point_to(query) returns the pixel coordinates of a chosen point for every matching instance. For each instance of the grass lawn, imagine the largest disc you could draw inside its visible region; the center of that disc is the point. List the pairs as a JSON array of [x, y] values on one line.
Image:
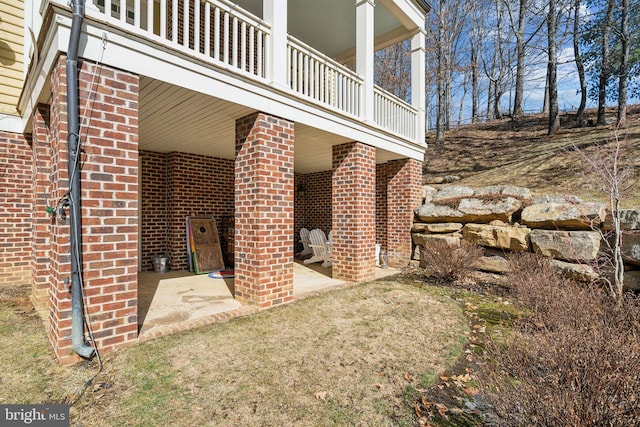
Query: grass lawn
[[348, 357]]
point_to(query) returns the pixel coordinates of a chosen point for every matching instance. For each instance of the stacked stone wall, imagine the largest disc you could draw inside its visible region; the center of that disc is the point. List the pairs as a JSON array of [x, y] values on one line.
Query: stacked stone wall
[[504, 219]]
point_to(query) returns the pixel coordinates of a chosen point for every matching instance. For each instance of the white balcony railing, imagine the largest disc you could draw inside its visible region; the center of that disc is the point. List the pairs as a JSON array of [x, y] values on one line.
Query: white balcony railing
[[215, 30], [314, 75], [393, 114], [221, 33]]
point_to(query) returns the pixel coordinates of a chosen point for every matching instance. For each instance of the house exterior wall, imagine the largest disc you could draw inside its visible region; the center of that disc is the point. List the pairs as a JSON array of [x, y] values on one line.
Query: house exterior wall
[[154, 221], [109, 207], [198, 186], [354, 217], [381, 204], [313, 205], [174, 185], [264, 203], [11, 54], [15, 215], [41, 219]]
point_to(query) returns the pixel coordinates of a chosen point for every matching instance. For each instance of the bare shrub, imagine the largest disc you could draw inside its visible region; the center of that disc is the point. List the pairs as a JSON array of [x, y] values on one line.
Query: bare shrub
[[575, 360], [447, 262]]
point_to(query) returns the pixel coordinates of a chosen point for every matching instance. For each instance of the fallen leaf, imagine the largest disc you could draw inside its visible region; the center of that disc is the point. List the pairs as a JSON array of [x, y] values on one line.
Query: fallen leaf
[[462, 378], [407, 376], [416, 407], [322, 395], [471, 391], [442, 410], [378, 385], [443, 378]]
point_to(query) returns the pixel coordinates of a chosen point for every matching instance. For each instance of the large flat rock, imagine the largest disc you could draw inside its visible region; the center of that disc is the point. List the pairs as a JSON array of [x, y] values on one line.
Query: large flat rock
[[631, 248], [629, 220], [566, 216], [498, 236], [566, 245], [485, 211]]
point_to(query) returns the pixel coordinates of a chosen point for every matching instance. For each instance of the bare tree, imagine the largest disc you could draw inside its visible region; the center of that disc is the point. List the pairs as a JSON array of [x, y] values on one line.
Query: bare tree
[[613, 176], [605, 60], [392, 69], [578, 60], [552, 67], [519, 32], [624, 62], [444, 31]]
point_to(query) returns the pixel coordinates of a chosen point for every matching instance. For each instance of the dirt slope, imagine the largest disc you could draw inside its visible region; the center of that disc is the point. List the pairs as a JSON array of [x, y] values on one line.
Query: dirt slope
[[521, 153]]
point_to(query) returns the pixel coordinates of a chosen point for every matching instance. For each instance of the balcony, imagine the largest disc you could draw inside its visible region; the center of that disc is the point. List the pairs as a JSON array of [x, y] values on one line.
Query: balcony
[[221, 34]]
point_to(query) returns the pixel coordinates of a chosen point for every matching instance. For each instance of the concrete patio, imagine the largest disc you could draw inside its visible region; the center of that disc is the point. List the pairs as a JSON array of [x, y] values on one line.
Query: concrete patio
[[180, 300]]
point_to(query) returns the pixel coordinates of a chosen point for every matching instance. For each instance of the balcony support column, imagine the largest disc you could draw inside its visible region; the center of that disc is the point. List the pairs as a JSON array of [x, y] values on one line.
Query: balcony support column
[[418, 66], [365, 55], [275, 13]]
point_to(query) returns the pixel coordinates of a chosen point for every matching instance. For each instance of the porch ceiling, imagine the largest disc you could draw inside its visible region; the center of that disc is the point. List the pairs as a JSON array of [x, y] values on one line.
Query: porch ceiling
[[172, 118], [331, 28]]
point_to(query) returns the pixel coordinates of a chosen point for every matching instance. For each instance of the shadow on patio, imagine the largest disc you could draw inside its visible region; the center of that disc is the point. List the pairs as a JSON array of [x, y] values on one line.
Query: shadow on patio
[[180, 300]]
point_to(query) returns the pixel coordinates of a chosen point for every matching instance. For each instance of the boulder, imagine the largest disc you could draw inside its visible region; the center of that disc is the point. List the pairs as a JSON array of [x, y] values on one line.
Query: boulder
[[583, 216], [580, 272], [521, 193], [431, 213], [557, 198], [453, 239], [485, 211], [441, 227], [629, 220], [493, 263], [566, 245], [632, 280], [452, 192], [631, 248], [428, 192], [498, 236]]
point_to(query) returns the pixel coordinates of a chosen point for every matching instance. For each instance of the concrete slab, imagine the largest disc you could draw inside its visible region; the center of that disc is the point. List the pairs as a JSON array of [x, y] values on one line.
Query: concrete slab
[[180, 296], [180, 300]]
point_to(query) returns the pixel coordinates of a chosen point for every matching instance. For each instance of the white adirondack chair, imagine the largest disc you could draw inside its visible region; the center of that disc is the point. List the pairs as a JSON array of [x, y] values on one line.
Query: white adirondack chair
[[304, 239], [320, 247]]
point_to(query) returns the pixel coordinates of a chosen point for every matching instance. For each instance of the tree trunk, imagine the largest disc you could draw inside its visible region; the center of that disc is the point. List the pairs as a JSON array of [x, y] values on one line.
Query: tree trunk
[[520, 48], [552, 29], [475, 72], [605, 67], [624, 63], [578, 59]]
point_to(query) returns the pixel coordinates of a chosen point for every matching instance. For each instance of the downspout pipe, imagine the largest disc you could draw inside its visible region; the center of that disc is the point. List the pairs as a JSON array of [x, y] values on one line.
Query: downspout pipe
[[80, 345]]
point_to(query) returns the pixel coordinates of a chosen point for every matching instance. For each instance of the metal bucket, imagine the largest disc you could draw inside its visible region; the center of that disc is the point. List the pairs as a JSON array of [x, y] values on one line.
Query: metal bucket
[[160, 264]]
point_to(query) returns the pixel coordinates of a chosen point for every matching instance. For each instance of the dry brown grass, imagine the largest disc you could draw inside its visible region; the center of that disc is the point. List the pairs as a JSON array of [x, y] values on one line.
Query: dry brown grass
[[520, 153], [348, 357], [574, 360]]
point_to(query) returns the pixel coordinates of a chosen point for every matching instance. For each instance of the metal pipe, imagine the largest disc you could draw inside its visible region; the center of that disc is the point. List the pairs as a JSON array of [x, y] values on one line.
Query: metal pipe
[[80, 345]]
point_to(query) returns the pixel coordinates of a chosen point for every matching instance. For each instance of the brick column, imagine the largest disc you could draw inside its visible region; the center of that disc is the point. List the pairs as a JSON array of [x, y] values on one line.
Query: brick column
[[41, 230], [109, 207], [353, 211], [264, 205], [404, 178]]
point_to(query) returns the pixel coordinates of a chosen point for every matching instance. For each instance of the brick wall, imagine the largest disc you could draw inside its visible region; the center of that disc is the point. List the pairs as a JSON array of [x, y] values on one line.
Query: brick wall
[[154, 223], [174, 185], [404, 179], [15, 216], [264, 202], [354, 218], [200, 186], [381, 204], [41, 174], [109, 207], [313, 205]]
